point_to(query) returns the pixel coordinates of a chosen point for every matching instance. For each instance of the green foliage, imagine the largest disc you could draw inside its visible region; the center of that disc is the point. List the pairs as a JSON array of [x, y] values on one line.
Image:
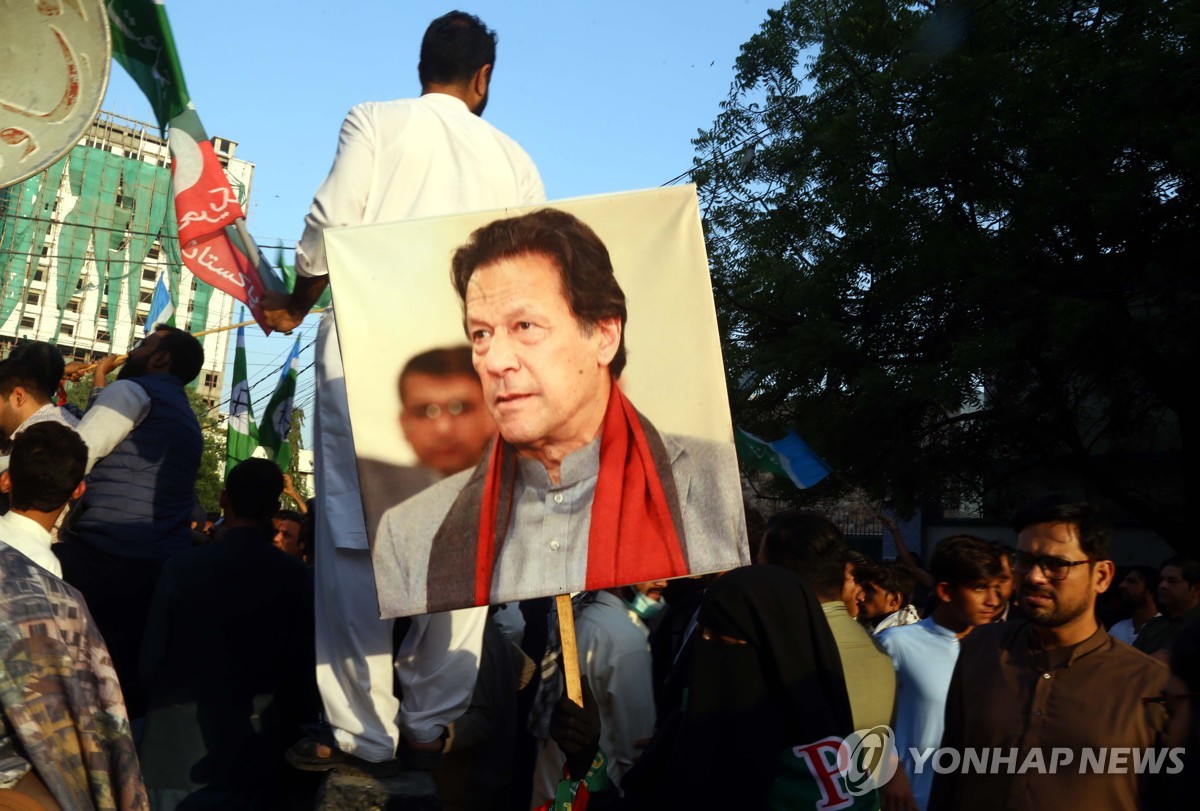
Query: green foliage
[[953, 246], [210, 479], [299, 481]]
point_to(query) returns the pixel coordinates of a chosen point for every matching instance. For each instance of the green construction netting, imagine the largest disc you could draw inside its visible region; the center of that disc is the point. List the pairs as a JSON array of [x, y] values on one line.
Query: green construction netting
[[121, 206], [27, 209]]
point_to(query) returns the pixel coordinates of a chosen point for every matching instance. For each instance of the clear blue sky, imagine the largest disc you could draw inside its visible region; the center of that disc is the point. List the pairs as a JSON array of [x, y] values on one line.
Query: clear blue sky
[[605, 96]]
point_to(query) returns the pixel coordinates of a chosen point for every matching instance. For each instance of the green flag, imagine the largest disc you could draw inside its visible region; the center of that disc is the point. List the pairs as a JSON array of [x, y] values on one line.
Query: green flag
[[289, 282], [243, 435], [277, 421], [143, 44]]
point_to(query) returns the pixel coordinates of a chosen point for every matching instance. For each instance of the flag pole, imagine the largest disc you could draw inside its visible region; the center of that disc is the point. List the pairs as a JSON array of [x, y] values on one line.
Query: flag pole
[[251, 322], [122, 358]]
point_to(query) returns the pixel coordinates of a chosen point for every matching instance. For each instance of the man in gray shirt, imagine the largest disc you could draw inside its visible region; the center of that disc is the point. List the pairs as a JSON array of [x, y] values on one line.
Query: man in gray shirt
[[580, 491]]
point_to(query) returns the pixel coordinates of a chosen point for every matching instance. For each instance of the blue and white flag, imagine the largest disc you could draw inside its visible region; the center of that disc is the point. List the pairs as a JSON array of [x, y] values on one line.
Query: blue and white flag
[[789, 457], [162, 309]]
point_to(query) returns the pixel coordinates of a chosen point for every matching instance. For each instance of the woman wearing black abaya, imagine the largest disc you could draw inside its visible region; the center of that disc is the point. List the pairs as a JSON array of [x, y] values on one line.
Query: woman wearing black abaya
[[766, 706]]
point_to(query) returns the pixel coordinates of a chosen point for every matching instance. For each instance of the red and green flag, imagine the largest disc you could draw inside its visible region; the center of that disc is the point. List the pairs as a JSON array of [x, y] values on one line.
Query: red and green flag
[[213, 239]]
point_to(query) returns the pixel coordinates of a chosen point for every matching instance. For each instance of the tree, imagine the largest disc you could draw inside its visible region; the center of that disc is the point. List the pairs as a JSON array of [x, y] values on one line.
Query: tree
[[953, 246], [209, 479], [294, 439]]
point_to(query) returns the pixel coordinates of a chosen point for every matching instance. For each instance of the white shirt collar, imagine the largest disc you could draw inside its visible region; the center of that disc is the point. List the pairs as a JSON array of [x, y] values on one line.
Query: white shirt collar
[[30, 539]]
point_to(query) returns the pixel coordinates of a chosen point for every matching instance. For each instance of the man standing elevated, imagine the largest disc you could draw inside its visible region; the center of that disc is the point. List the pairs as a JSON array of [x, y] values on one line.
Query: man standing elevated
[[144, 447], [396, 160]]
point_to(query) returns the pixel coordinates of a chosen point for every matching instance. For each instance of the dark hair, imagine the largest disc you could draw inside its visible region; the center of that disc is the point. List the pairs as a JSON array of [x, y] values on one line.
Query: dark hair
[[1189, 568], [45, 364], [289, 515], [961, 560], [448, 361], [1095, 534], [454, 47], [584, 267], [253, 488], [1148, 574], [187, 354], [811, 546], [14, 373], [47, 463], [890, 577]]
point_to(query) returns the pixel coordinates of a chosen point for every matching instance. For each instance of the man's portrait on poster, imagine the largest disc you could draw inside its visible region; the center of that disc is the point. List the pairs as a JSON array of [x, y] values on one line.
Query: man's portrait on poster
[[575, 489]]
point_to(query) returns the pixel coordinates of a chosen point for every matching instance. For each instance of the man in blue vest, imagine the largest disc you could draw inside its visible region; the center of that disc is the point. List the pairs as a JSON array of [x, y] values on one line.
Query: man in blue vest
[[144, 448]]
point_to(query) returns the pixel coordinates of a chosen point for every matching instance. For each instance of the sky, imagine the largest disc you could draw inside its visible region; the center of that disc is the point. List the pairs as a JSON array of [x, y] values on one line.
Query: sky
[[605, 97]]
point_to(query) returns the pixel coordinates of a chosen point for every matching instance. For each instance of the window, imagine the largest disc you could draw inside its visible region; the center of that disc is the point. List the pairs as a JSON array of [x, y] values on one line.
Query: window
[[210, 379], [28, 322], [45, 250], [67, 329], [34, 298], [145, 297], [194, 281], [103, 311], [149, 274], [154, 253], [39, 275], [102, 335], [73, 305], [140, 320]]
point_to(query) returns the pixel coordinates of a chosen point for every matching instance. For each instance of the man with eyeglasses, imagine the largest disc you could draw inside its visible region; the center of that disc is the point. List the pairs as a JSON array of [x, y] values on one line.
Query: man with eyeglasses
[[1053, 690], [444, 421]]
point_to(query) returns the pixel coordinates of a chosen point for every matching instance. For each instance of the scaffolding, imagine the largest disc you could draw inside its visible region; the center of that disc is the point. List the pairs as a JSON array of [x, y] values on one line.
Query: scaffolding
[[83, 243]]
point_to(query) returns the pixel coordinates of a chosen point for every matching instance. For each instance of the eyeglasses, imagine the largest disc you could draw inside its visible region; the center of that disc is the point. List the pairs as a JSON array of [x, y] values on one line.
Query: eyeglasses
[[1053, 568], [432, 411]]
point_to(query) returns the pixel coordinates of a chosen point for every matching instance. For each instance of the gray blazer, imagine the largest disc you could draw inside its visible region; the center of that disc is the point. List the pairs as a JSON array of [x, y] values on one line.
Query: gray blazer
[[710, 499]]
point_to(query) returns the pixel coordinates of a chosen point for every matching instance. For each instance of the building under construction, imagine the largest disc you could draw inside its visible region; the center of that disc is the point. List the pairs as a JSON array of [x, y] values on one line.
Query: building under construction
[[84, 242]]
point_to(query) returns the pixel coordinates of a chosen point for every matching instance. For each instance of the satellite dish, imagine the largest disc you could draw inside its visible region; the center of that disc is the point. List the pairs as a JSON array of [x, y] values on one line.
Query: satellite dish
[[55, 57]]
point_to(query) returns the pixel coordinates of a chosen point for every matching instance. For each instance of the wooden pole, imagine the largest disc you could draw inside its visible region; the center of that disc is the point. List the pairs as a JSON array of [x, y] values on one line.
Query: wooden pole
[[570, 651], [122, 358]]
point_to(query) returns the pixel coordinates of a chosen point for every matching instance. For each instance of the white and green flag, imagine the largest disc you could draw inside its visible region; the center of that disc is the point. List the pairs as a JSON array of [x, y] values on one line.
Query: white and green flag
[[243, 435], [277, 422]]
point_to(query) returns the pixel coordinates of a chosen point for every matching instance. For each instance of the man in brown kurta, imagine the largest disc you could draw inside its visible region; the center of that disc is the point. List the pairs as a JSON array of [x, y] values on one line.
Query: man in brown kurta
[[1055, 694]]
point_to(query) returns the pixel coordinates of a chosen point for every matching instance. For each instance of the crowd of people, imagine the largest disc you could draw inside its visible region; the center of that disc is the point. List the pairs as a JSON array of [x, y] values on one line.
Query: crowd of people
[[155, 659], [158, 657]]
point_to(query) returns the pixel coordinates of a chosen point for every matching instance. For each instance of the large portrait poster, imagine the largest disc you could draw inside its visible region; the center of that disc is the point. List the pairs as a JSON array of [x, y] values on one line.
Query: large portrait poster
[[498, 459]]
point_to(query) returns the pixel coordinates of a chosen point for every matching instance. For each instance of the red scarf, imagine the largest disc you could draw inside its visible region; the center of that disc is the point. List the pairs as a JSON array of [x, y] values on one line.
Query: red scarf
[[632, 537]]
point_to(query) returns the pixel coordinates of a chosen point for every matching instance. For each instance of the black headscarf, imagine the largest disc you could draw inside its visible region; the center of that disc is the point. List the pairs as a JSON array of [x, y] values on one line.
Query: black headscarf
[[747, 703]]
